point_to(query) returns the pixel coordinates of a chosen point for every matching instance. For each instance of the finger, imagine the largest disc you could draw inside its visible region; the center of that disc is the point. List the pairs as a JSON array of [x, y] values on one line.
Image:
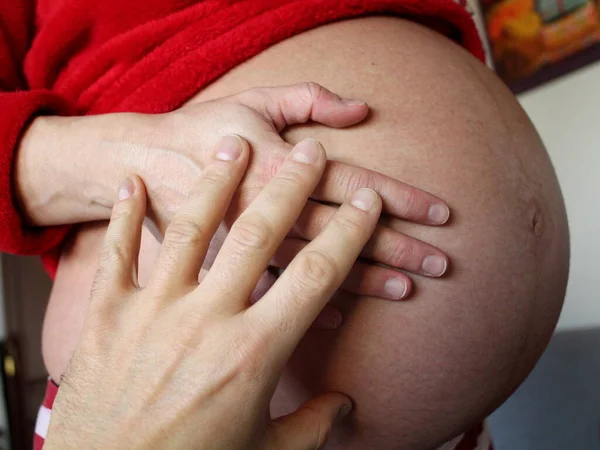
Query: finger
[[399, 199], [299, 103], [316, 273], [309, 426], [255, 235], [340, 180], [329, 319], [188, 236], [363, 279], [386, 246], [118, 260]]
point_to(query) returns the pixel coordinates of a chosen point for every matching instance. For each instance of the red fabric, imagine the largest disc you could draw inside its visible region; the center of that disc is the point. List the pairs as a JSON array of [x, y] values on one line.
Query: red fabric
[[100, 56], [17, 106], [38, 442], [49, 397], [16, 109]]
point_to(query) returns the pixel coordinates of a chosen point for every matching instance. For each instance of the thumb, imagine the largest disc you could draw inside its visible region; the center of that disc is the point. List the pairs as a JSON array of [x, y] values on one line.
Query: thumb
[[308, 427], [299, 103]]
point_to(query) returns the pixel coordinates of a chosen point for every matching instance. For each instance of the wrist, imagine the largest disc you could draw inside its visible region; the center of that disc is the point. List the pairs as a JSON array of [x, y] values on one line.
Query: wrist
[[67, 169], [50, 171]]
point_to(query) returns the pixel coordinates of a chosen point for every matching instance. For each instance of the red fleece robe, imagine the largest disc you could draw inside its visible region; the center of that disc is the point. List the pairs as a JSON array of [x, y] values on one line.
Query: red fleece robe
[[67, 57]]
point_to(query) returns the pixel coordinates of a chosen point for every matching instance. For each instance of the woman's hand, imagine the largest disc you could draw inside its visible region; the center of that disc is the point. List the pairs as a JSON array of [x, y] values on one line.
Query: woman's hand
[[259, 115], [72, 178], [185, 365]]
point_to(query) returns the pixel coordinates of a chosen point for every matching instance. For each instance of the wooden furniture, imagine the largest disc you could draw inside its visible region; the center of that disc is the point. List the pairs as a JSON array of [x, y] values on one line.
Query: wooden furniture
[[26, 288]]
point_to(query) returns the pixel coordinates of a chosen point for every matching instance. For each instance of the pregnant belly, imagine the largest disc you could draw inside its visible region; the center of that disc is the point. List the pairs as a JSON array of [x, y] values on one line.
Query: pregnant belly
[[443, 123]]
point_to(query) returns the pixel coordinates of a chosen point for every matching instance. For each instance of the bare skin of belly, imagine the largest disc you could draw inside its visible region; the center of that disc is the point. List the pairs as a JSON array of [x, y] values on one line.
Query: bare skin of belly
[[422, 371]]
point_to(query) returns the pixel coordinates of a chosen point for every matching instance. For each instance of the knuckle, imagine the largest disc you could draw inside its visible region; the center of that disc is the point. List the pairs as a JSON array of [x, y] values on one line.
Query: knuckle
[[122, 210], [114, 252], [401, 252], [288, 180], [216, 175], [348, 226], [251, 232], [357, 179], [411, 201], [185, 232], [315, 270], [315, 90]]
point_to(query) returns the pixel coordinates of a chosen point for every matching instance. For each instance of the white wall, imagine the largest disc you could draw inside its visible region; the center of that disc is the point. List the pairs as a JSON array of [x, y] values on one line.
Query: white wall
[[566, 113]]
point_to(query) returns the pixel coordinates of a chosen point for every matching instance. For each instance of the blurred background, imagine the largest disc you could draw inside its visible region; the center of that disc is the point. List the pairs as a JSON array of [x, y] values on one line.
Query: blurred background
[[548, 52], [533, 41]]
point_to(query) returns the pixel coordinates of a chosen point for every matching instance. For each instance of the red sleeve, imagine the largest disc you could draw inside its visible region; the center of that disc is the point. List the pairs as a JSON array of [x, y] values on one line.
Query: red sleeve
[[18, 106]]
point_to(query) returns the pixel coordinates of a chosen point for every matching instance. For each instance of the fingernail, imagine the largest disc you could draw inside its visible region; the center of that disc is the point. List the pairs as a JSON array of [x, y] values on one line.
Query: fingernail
[[306, 151], [126, 189], [395, 288], [344, 411], [229, 148], [364, 199], [353, 102], [439, 213], [434, 266], [329, 319]]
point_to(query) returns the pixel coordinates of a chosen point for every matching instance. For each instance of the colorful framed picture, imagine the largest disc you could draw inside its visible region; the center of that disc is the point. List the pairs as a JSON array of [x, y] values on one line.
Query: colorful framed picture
[[533, 41]]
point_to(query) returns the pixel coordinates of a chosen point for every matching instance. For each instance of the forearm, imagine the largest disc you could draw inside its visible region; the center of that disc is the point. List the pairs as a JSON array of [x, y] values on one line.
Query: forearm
[[66, 169]]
